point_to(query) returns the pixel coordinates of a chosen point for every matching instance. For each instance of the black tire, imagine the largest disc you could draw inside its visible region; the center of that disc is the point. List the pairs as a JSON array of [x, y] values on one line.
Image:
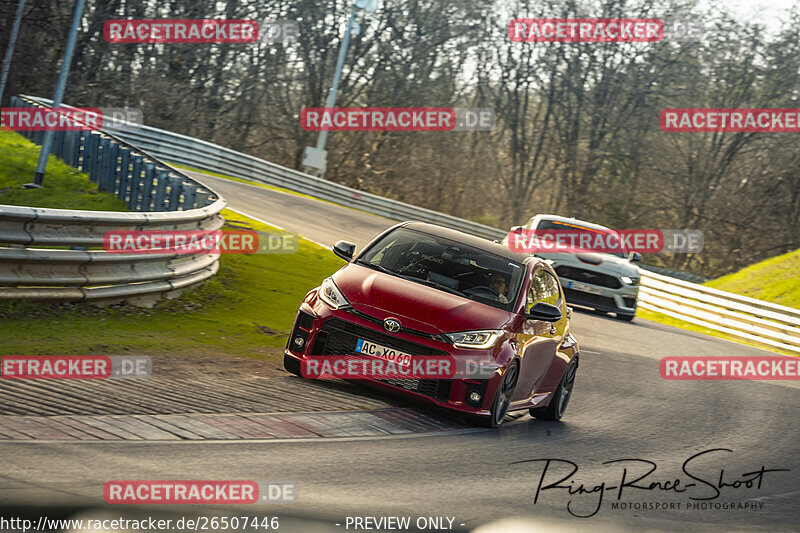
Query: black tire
[[292, 365], [626, 318], [561, 396], [502, 399]]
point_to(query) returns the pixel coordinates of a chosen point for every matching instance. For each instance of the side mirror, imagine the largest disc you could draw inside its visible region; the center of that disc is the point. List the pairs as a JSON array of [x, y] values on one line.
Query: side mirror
[[634, 257], [345, 250], [544, 311]]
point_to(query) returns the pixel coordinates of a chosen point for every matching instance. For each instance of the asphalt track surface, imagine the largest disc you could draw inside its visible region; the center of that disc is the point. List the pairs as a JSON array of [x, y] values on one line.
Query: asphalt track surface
[[621, 409]]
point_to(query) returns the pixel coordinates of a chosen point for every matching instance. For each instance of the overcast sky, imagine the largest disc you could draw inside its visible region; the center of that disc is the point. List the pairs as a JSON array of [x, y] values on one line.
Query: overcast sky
[[767, 12]]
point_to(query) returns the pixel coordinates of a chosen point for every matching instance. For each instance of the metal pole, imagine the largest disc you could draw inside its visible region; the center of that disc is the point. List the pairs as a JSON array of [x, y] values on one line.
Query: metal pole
[[10, 50], [323, 135], [47, 144]]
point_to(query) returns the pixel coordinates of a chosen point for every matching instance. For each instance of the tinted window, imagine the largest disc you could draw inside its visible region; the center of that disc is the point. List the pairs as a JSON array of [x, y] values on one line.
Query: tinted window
[[447, 265]]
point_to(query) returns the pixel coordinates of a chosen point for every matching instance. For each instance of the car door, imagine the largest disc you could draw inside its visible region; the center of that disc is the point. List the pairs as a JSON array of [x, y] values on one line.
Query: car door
[[539, 340]]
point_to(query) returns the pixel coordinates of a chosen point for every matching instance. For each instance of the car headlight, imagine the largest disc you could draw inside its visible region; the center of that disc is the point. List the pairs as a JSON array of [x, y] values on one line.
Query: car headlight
[[331, 294], [629, 281], [475, 339]]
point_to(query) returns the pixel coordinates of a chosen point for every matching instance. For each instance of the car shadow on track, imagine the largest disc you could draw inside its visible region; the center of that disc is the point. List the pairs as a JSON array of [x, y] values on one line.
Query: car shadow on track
[[373, 395]]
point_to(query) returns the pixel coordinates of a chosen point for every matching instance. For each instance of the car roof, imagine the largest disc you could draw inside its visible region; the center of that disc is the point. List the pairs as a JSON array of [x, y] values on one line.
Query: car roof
[[570, 220], [471, 240]]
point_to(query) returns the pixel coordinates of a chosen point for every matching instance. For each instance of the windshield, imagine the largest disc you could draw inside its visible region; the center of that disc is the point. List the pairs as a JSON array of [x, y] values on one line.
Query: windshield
[[448, 266], [577, 228]]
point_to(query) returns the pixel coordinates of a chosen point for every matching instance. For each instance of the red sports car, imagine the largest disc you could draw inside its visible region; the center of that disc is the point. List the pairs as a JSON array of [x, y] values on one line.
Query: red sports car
[[419, 290]]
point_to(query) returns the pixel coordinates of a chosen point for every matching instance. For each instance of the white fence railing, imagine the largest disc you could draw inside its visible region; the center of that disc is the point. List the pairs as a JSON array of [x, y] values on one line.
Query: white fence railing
[[756, 321]]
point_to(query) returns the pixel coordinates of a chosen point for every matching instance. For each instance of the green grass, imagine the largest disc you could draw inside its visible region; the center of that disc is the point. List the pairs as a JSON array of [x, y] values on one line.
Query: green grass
[[247, 309], [774, 280], [64, 186]]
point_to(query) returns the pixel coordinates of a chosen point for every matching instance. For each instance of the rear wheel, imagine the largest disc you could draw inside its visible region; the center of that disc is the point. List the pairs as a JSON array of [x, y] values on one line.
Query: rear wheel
[[502, 399], [561, 396]]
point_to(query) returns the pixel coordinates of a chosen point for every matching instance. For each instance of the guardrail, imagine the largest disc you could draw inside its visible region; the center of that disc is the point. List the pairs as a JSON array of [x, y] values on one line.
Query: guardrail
[[758, 322], [166, 199], [184, 150]]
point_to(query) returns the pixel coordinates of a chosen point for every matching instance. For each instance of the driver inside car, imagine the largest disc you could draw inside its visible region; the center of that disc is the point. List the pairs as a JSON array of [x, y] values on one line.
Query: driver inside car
[[499, 284]]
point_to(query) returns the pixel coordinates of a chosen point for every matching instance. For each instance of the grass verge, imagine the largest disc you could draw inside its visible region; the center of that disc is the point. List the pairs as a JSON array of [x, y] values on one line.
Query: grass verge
[[247, 309], [64, 186], [775, 280]]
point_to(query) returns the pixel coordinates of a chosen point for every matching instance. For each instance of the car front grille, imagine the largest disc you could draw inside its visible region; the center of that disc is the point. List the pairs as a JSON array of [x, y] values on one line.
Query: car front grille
[[434, 388], [588, 276], [588, 299], [339, 337]]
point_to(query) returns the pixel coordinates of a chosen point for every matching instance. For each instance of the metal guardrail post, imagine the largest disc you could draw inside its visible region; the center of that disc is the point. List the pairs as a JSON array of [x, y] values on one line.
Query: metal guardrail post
[[147, 187], [113, 162], [97, 157], [162, 176], [124, 173], [79, 138], [136, 182], [202, 198], [58, 140], [174, 201], [87, 151], [103, 181], [69, 147], [188, 196]]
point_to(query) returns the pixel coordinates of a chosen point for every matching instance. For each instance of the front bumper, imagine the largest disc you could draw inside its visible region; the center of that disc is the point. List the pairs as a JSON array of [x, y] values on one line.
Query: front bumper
[[327, 331], [622, 300]]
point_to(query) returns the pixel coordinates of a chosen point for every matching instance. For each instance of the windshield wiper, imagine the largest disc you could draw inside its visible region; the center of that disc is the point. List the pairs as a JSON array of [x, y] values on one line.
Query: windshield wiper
[[376, 267]]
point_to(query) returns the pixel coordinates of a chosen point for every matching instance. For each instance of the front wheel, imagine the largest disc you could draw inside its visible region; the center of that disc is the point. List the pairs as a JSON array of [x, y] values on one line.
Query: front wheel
[[626, 318], [502, 399], [561, 396]]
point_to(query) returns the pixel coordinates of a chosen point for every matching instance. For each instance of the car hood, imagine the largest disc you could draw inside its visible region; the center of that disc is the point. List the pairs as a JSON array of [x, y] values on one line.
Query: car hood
[[415, 305], [595, 261]]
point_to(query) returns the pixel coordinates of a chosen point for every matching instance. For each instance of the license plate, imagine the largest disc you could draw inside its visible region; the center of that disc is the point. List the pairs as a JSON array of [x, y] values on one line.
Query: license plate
[[583, 287], [383, 352]]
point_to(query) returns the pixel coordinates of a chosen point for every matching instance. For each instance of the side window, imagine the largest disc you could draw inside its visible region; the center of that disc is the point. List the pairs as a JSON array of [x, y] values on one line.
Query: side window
[[543, 288]]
